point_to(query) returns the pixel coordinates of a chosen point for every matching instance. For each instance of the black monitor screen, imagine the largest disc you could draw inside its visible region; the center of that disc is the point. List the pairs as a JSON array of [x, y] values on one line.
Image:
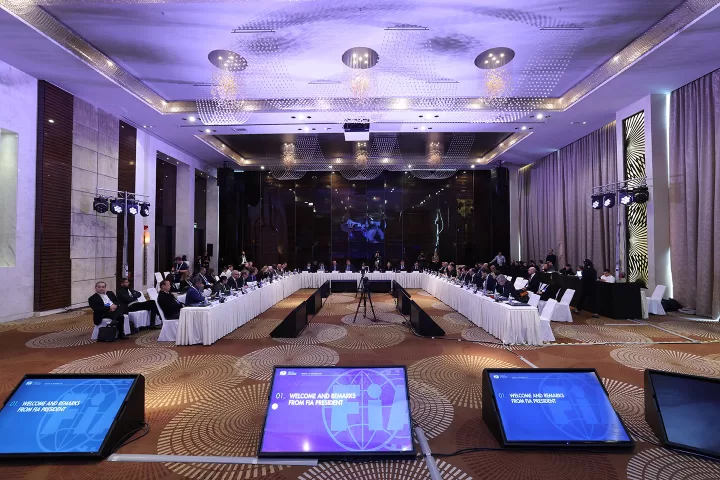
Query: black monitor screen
[[51, 415], [689, 410], [555, 407]]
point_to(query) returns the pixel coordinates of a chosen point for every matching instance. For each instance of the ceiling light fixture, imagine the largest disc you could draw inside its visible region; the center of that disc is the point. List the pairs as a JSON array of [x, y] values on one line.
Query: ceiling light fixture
[[51, 121], [192, 119], [207, 130]]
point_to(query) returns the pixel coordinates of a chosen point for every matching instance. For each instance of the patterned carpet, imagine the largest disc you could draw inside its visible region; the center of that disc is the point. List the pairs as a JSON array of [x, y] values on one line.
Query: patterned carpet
[[211, 400]]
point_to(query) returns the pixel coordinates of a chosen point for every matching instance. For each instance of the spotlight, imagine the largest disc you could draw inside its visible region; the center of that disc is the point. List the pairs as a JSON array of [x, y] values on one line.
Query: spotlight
[[609, 200], [597, 202], [145, 209], [116, 206], [642, 195], [133, 208], [100, 204], [626, 197]]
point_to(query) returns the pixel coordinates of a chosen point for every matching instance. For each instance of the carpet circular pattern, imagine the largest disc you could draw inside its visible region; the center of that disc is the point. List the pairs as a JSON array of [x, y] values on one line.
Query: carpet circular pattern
[[430, 409], [149, 338], [262, 361], [668, 360], [73, 337], [662, 464], [382, 470], [132, 360], [55, 323], [378, 306], [451, 327], [7, 326], [383, 319], [317, 333], [529, 465], [597, 334], [477, 334], [458, 377], [12, 369], [709, 330], [230, 427], [336, 298], [194, 378], [107, 471], [441, 306], [629, 402], [369, 337], [254, 329]]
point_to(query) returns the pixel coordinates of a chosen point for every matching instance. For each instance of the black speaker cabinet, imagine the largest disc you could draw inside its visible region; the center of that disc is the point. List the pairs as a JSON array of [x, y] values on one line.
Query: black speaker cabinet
[[210, 249], [293, 324]]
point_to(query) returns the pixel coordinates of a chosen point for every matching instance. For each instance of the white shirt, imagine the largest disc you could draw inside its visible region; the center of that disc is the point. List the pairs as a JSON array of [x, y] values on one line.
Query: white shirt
[[608, 279], [106, 299], [499, 259]]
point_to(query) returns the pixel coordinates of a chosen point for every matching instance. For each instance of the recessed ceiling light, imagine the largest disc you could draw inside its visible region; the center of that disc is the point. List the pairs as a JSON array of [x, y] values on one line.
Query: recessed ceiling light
[[306, 129], [51, 121], [207, 130], [262, 167], [385, 160], [584, 123], [422, 128], [409, 166], [472, 166], [192, 119], [301, 117], [523, 127], [539, 116]]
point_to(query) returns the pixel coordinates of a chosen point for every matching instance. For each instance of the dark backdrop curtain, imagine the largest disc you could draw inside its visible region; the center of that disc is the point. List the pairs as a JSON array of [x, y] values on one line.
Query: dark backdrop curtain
[[695, 194], [555, 209]]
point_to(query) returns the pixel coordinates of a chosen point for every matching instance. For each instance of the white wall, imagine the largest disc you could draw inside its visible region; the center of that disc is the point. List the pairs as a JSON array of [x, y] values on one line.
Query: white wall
[[18, 113], [147, 148], [656, 168]]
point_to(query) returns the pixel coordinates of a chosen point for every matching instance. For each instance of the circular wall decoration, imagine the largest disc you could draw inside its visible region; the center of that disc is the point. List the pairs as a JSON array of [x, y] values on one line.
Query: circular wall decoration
[[255, 328], [640, 358], [629, 402], [55, 323], [662, 464], [262, 361], [317, 333], [73, 337], [194, 378], [381, 470], [368, 337], [233, 430], [133, 360], [709, 330], [430, 409], [458, 377]]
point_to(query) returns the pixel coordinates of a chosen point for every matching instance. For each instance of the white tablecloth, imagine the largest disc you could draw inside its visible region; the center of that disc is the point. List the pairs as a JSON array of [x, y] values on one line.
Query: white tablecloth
[[509, 324], [206, 325], [406, 280]]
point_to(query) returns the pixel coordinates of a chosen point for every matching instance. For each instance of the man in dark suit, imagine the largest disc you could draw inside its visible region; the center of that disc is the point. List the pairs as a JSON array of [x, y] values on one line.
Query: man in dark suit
[[105, 304], [488, 280], [334, 267], [168, 303], [551, 257], [130, 301], [587, 290], [194, 294], [233, 282], [202, 273], [534, 281], [416, 267], [348, 267], [401, 267], [221, 286], [308, 267], [467, 279], [505, 288], [477, 278]]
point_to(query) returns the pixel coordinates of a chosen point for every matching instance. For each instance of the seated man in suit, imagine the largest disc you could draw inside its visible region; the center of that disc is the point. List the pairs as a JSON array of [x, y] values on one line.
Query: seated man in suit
[[534, 281], [321, 267], [504, 288], [133, 301], [202, 273], [194, 294], [334, 267], [416, 267], [168, 303], [234, 282], [308, 267], [106, 305], [469, 274], [567, 270], [477, 278], [443, 267], [348, 267], [253, 276], [489, 282], [401, 267], [221, 286]]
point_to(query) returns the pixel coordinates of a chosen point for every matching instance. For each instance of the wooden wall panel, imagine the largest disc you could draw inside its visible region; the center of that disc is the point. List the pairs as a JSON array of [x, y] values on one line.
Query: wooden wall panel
[[126, 183], [53, 197]]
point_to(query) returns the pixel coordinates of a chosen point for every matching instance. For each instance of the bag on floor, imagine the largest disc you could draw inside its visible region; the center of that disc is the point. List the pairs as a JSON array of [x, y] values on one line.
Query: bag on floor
[[107, 334], [670, 305]]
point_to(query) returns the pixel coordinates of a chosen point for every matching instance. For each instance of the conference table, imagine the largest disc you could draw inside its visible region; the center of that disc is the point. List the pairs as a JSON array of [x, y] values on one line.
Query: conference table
[[404, 279], [511, 324], [206, 325]]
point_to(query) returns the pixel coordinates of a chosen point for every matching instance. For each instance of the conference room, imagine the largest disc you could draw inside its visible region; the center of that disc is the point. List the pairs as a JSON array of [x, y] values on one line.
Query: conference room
[[335, 239]]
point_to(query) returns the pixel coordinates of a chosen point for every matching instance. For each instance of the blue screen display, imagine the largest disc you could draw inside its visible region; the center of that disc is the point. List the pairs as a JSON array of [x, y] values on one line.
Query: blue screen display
[[338, 410], [689, 410], [61, 415], [555, 407]]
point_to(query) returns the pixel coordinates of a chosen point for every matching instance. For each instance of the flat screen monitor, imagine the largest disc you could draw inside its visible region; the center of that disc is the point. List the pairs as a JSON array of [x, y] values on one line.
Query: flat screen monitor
[[552, 407], [688, 409], [67, 415], [337, 412]]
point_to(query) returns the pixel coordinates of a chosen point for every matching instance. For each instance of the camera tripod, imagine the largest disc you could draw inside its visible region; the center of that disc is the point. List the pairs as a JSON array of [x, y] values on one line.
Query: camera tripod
[[364, 297]]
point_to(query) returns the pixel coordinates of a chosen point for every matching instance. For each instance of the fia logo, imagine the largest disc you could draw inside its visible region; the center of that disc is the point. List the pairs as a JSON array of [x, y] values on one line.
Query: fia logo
[[283, 372]]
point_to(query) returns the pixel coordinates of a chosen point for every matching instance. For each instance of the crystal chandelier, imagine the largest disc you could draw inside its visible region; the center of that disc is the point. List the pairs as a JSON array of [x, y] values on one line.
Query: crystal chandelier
[[288, 154], [361, 155], [435, 155]]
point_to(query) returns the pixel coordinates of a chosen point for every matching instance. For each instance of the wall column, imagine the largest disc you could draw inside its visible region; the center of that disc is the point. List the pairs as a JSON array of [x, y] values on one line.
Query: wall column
[[212, 220], [185, 213], [515, 215]]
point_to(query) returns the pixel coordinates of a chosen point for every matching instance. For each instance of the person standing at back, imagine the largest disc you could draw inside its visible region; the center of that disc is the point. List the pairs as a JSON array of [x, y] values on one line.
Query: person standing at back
[[587, 289], [551, 257]]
